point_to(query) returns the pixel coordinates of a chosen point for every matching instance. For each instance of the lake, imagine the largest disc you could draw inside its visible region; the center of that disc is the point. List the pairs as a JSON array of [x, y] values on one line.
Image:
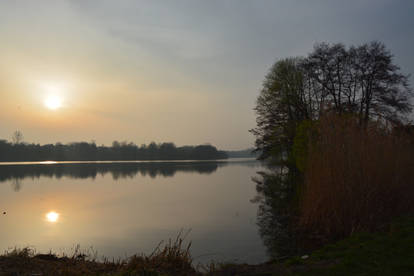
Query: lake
[[123, 208]]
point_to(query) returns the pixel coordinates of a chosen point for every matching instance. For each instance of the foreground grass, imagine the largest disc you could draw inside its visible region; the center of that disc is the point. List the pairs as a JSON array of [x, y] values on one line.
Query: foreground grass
[[386, 253], [173, 259], [390, 252]]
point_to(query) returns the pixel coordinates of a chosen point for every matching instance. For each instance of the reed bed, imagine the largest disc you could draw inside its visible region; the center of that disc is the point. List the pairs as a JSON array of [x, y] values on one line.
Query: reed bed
[[357, 178]]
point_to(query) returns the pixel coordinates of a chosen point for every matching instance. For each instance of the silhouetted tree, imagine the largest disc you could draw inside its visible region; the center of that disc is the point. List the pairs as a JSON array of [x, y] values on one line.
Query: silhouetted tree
[[17, 137], [362, 81]]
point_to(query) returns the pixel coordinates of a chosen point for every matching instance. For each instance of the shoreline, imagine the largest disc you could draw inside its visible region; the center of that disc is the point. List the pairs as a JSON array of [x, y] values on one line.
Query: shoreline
[[387, 253]]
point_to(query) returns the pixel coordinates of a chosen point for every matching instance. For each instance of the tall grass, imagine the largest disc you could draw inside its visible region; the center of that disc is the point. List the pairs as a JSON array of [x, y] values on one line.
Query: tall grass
[[172, 258], [356, 178]]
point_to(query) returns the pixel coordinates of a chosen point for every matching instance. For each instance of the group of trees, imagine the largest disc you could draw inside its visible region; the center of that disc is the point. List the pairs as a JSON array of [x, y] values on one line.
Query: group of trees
[[359, 83], [83, 151], [362, 81]]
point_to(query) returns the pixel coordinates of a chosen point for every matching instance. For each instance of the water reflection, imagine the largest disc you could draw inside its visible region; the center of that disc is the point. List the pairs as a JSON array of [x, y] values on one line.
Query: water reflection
[[275, 198], [16, 184], [17, 172], [123, 209]]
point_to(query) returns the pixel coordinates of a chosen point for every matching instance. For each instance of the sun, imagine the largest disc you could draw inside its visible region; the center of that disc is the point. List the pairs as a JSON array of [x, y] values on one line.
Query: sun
[[53, 102], [53, 95], [52, 216]]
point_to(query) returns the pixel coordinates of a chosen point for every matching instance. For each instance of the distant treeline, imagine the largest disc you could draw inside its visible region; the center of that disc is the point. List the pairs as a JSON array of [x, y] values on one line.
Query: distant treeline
[[243, 153], [83, 151]]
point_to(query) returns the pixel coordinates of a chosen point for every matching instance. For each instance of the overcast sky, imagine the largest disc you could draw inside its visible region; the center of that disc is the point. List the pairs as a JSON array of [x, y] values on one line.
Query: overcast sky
[[167, 71]]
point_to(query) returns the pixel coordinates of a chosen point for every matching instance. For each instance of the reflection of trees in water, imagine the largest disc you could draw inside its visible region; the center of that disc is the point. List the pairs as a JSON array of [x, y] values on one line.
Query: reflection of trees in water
[[276, 200], [118, 171], [16, 184], [16, 173]]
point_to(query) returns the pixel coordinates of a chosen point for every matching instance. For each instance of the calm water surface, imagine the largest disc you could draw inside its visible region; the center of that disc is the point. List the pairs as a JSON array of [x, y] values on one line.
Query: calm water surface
[[124, 208]]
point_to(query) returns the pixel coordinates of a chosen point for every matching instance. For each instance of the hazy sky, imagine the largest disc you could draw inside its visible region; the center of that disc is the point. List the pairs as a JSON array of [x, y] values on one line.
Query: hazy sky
[[181, 71]]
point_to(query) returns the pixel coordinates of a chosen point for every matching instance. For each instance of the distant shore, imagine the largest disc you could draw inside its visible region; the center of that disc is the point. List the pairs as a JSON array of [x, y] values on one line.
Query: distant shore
[[83, 151]]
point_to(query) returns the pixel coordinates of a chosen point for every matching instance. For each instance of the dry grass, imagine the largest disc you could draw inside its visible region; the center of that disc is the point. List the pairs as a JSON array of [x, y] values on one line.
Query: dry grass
[[173, 258], [356, 179], [26, 262]]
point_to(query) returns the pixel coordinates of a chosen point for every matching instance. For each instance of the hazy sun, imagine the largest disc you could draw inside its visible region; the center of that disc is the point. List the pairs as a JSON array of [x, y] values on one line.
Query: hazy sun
[[52, 216], [53, 102], [53, 95]]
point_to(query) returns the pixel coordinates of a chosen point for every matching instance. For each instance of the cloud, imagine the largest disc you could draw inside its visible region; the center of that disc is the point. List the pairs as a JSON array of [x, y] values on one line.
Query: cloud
[[178, 42]]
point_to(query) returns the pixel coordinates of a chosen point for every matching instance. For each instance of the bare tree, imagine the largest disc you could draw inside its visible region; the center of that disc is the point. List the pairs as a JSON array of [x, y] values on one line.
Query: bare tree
[[17, 137], [362, 80]]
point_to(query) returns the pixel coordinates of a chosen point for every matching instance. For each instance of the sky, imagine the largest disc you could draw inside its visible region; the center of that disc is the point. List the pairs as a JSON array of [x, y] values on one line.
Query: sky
[[187, 72]]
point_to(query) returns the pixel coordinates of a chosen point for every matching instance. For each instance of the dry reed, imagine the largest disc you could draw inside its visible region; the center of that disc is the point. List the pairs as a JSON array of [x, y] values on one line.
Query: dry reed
[[357, 178]]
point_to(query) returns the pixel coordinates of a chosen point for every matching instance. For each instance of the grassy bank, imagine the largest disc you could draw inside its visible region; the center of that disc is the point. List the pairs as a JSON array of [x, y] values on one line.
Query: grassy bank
[[173, 259], [389, 252]]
